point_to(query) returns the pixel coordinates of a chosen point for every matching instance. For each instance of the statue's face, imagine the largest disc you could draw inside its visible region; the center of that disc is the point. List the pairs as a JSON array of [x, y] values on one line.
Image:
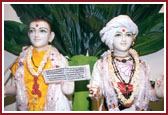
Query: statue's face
[[123, 39], [39, 33]]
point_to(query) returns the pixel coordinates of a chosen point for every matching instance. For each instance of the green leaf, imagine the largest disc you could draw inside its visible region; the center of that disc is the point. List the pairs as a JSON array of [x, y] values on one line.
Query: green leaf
[[151, 36], [15, 36]]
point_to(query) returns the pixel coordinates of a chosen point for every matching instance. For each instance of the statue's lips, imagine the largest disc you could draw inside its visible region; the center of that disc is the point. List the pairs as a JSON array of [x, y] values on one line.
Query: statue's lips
[[37, 39], [123, 44]]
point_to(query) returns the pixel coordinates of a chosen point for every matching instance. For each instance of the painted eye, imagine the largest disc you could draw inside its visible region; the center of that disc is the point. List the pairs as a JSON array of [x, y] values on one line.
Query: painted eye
[[31, 31], [43, 31], [117, 35], [129, 34]]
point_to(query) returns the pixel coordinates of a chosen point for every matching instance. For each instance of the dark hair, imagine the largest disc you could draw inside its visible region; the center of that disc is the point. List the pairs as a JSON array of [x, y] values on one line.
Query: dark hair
[[41, 19]]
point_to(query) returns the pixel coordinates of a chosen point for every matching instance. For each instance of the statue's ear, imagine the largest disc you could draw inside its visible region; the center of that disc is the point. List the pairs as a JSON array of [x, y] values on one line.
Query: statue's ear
[[51, 37]]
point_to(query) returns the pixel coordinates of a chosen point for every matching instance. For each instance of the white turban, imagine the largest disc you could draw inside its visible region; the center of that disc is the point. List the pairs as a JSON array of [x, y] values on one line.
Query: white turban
[[108, 32]]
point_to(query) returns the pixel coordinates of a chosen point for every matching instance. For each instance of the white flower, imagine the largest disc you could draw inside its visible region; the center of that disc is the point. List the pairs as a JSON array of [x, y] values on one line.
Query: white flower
[[42, 63], [135, 86]]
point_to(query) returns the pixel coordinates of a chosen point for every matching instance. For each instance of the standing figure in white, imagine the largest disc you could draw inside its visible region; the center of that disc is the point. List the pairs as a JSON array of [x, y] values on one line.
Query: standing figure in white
[[32, 93], [120, 76]]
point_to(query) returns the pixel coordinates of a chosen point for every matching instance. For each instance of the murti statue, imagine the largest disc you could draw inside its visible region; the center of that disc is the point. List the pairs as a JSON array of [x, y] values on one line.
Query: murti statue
[[32, 93], [120, 76]]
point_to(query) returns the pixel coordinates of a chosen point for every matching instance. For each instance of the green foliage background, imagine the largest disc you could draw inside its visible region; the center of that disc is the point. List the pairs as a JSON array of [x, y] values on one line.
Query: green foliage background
[[77, 26]]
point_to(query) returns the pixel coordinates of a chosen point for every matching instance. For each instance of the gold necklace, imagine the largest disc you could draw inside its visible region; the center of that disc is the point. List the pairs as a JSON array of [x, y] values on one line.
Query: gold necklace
[[135, 86]]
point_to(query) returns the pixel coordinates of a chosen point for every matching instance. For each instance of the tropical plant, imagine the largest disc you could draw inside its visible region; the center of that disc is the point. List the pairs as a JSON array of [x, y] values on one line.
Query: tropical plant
[[77, 26]]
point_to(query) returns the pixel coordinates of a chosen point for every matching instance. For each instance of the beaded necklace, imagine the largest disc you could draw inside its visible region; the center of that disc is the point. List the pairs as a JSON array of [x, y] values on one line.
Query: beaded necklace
[[136, 78], [122, 60], [118, 75]]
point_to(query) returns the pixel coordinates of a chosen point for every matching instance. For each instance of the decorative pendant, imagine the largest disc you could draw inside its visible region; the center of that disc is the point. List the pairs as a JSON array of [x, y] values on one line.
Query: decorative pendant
[[124, 60], [36, 87], [127, 92]]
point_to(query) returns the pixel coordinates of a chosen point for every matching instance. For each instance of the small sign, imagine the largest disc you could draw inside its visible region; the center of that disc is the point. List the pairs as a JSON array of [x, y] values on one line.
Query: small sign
[[70, 73]]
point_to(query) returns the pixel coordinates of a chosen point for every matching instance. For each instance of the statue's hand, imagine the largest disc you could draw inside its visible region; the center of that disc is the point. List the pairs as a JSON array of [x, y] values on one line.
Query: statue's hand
[[94, 90]]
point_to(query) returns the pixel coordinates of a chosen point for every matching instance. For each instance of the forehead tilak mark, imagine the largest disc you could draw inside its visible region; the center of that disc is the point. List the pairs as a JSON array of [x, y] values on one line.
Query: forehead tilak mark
[[37, 25]]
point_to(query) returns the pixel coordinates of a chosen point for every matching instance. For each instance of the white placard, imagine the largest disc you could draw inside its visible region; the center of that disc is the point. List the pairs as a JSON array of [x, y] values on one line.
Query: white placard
[[70, 73]]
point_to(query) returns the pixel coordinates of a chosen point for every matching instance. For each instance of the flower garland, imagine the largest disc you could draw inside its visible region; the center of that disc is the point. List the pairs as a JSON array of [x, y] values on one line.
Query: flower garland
[[42, 63], [135, 86]]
